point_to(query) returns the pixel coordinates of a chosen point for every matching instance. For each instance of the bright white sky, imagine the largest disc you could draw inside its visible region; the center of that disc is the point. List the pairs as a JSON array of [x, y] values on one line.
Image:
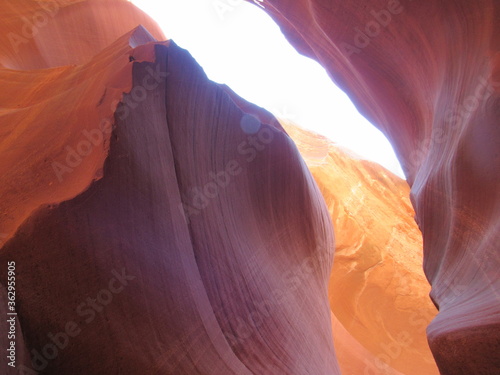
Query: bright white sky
[[238, 44]]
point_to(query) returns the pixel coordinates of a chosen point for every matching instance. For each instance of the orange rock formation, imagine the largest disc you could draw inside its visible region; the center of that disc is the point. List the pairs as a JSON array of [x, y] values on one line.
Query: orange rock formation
[[159, 224], [153, 232], [379, 296]]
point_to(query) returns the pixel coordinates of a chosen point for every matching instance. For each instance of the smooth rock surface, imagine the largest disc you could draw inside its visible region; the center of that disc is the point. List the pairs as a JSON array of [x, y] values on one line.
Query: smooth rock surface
[[428, 75], [187, 238], [175, 234]]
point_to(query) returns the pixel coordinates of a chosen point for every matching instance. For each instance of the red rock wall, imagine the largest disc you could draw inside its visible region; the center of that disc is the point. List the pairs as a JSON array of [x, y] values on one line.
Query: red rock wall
[[157, 236], [58, 106], [428, 75], [51, 33]]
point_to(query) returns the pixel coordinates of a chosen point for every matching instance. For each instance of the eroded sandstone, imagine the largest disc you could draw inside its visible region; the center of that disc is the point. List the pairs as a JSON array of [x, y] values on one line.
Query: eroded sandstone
[[427, 74]]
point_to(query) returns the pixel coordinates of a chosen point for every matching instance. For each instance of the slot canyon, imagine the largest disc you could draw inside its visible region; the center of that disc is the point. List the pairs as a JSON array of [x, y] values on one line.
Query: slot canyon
[[154, 222]]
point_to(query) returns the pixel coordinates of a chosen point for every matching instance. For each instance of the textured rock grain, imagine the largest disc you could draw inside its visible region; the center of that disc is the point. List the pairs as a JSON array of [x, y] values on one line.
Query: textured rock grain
[[172, 246], [428, 75]]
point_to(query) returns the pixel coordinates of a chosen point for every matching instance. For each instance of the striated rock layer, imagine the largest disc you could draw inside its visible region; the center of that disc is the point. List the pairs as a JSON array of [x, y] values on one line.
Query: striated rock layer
[[167, 231], [76, 94], [221, 285], [428, 75], [163, 231]]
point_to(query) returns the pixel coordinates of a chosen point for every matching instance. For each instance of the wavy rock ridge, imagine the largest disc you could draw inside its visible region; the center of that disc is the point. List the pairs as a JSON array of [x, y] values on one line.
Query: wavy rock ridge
[[428, 75], [160, 240], [153, 231]]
